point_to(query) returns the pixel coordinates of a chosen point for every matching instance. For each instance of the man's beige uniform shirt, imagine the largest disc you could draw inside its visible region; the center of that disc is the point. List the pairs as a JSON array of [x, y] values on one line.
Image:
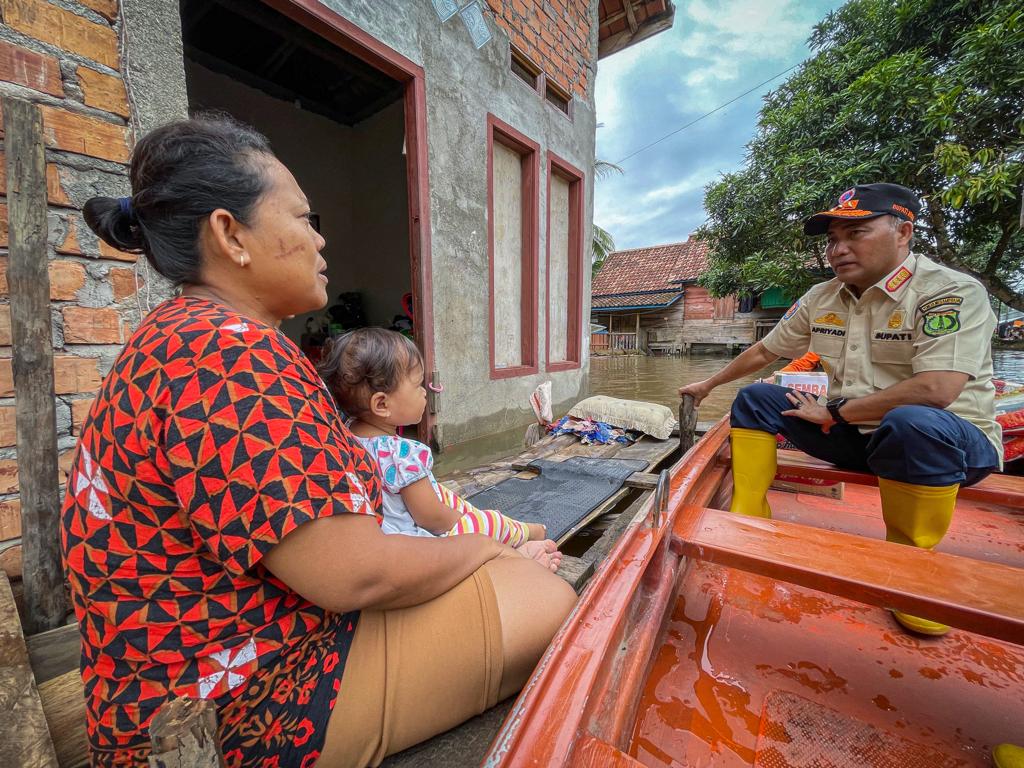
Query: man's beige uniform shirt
[[920, 317]]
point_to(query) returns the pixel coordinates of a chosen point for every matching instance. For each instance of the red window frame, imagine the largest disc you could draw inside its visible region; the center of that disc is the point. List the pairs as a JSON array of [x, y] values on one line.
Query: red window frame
[[529, 153], [558, 166]]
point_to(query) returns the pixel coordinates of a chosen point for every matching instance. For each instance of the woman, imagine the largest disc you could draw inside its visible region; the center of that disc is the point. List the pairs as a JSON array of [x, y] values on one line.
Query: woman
[[221, 526]]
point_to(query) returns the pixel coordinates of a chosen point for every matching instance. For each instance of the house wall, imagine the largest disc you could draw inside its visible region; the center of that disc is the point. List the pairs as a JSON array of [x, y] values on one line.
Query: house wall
[[463, 85], [70, 57], [66, 58]]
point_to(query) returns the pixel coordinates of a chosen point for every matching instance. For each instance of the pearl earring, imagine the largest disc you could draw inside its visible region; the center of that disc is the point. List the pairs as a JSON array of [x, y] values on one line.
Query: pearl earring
[[245, 260]]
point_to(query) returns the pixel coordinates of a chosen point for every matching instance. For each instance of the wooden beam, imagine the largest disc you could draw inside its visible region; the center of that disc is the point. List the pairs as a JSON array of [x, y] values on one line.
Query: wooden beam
[[627, 6], [980, 597], [32, 364], [24, 737], [55, 652], [687, 423], [643, 480]]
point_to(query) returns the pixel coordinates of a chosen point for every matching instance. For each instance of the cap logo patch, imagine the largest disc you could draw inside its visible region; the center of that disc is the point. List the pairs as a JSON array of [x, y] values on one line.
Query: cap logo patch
[[830, 318], [895, 319], [847, 195], [894, 282], [904, 210]]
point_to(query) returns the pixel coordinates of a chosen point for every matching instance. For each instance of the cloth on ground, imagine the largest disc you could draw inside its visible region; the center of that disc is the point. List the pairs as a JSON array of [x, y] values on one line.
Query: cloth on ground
[[592, 432]]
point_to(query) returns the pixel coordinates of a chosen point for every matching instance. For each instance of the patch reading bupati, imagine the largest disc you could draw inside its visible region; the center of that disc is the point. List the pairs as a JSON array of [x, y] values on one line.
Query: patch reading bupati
[[901, 276], [827, 331], [941, 322], [896, 319], [792, 310], [945, 301], [890, 336], [830, 318]]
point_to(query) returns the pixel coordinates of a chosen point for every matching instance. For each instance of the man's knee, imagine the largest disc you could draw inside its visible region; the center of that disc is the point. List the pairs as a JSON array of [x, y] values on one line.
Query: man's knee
[[754, 401], [906, 420]]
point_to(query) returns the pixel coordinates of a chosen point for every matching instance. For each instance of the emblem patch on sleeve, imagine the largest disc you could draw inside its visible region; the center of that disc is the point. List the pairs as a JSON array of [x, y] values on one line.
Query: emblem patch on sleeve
[[951, 301], [792, 310], [941, 322]]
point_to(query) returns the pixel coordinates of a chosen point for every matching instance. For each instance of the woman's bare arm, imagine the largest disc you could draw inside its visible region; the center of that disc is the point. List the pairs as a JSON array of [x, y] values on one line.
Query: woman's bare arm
[[345, 562], [426, 509]]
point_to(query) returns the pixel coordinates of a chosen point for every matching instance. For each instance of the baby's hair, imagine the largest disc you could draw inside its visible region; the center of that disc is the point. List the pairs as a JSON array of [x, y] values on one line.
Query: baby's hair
[[365, 361]]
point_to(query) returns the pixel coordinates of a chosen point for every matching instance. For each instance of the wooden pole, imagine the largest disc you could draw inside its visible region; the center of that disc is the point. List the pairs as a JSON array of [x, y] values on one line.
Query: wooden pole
[[184, 735], [687, 424], [32, 365]]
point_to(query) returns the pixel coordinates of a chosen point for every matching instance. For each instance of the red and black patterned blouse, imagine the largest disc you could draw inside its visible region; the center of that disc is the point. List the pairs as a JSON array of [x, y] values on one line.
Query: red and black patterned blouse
[[210, 440]]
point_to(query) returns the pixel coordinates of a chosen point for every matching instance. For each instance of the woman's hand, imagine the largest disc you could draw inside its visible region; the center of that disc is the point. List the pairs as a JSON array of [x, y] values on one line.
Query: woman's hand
[[806, 407], [698, 391]]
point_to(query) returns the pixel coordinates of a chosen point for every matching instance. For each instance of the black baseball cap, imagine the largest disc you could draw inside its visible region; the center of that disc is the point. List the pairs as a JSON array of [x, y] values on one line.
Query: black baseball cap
[[867, 201]]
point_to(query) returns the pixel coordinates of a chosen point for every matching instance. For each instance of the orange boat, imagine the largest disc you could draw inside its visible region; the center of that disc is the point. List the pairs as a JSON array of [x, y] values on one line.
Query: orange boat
[[708, 638]]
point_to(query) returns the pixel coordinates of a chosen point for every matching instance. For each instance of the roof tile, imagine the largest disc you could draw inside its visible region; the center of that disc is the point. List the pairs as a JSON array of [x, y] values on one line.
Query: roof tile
[[659, 267]]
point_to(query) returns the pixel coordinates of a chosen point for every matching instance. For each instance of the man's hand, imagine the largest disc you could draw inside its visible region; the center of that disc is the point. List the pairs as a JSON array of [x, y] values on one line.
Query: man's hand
[[806, 407], [698, 391]]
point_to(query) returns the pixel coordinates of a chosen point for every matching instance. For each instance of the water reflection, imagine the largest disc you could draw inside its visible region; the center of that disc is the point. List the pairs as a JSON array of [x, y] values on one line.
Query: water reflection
[[654, 379]]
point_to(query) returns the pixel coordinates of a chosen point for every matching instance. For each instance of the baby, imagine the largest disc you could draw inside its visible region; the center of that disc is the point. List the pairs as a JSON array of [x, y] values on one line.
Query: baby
[[376, 377]]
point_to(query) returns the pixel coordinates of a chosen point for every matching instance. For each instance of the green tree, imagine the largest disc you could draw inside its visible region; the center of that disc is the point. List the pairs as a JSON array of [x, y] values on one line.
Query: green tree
[[925, 93], [603, 242]]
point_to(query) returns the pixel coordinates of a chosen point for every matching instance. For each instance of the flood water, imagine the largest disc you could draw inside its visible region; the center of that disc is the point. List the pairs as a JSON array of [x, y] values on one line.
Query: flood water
[[656, 379]]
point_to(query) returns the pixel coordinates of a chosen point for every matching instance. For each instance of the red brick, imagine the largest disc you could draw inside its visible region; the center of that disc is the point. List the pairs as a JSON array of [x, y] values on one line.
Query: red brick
[[109, 252], [67, 278], [4, 290], [3, 225], [64, 462], [5, 325], [54, 191], [30, 69], [63, 29], [10, 519], [8, 435], [70, 246], [89, 325], [6, 378], [105, 8], [103, 91], [71, 375], [84, 135], [8, 476], [11, 562], [79, 410], [123, 282]]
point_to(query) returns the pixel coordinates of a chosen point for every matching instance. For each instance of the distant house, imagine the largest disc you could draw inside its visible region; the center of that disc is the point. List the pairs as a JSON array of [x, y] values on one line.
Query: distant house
[[648, 301]]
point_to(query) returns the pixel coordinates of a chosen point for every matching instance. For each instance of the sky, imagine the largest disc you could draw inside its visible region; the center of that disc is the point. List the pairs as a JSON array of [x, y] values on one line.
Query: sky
[[714, 52]]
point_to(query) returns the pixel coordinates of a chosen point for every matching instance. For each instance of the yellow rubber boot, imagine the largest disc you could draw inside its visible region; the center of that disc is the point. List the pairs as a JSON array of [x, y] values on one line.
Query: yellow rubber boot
[[754, 462], [917, 515], [1008, 756]]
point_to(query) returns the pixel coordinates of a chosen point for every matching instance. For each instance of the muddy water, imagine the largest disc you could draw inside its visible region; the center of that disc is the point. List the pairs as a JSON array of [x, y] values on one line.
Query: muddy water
[[656, 379]]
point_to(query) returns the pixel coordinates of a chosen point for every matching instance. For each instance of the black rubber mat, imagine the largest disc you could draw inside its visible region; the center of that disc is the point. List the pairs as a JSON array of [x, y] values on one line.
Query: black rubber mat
[[564, 493]]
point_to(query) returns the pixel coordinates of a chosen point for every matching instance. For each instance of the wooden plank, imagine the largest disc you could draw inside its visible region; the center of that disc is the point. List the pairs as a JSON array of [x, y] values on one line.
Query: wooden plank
[[980, 597], [63, 699], [184, 735], [643, 480], [600, 549], [32, 364], [55, 652], [687, 423], [994, 489], [576, 571], [24, 737]]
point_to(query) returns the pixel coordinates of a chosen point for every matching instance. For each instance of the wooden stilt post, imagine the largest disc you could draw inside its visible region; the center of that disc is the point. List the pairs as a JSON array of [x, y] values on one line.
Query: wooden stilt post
[[687, 424], [32, 365], [184, 735]]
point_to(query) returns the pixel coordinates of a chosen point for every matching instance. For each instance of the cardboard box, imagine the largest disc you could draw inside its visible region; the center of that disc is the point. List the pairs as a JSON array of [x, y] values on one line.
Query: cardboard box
[[812, 485], [816, 383]]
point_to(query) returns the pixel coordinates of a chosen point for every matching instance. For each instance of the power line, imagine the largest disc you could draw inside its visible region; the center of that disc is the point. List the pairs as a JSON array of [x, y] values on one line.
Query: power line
[[706, 114]]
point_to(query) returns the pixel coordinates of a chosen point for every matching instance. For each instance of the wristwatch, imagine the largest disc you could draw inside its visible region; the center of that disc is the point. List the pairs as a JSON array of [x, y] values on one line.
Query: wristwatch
[[833, 407]]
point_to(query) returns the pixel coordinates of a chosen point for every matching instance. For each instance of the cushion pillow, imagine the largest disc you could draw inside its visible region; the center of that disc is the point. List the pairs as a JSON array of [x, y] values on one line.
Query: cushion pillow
[[653, 419]]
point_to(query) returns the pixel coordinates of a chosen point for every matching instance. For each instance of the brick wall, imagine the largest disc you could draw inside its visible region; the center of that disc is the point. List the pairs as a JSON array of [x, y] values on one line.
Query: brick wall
[[554, 34], [64, 55]]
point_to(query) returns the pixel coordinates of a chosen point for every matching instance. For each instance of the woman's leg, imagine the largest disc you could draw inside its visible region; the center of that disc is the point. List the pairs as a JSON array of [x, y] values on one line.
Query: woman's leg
[[416, 672]]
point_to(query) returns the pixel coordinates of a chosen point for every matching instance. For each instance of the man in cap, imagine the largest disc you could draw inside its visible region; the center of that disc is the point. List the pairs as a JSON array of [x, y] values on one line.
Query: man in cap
[[906, 343]]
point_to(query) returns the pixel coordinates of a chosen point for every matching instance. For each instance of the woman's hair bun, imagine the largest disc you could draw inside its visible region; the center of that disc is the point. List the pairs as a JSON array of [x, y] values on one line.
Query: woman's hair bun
[[114, 223]]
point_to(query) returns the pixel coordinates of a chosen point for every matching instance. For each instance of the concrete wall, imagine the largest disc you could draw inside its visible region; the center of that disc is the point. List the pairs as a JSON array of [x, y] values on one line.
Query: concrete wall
[[462, 85], [558, 264]]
